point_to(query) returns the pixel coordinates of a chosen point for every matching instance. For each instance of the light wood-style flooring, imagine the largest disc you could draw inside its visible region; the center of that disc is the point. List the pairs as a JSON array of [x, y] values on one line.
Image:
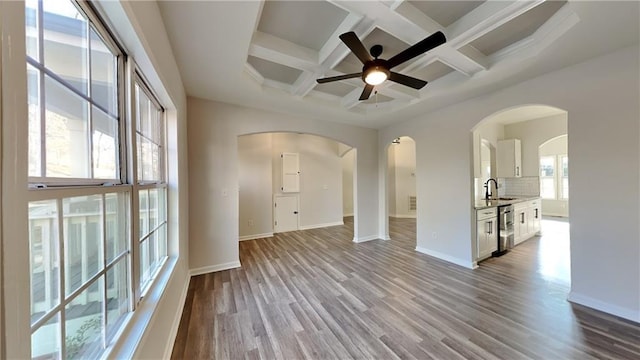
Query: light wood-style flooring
[[315, 294]]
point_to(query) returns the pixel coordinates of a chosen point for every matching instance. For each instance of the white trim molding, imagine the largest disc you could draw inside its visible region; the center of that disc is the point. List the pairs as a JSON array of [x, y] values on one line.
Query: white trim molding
[[317, 226], [445, 257], [255, 236], [215, 268], [629, 314], [365, 238], [403, 216]]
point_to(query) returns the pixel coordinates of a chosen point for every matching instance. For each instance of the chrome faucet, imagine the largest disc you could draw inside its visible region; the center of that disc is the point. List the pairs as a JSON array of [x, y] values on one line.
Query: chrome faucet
[[487, 188]]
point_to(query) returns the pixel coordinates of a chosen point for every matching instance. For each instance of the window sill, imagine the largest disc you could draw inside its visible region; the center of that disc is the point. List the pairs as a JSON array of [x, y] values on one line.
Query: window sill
[[136, 324]]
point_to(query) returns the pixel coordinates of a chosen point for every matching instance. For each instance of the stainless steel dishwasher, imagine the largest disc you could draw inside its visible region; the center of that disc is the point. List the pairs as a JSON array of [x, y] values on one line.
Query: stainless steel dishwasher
[[505, 230]]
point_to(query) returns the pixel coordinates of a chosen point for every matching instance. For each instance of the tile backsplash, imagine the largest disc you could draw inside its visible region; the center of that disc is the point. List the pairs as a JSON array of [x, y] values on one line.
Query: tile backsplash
[[522, 186]]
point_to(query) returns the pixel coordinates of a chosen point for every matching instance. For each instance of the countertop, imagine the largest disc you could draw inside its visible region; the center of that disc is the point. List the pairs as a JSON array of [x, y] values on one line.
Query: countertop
[[484, 204]]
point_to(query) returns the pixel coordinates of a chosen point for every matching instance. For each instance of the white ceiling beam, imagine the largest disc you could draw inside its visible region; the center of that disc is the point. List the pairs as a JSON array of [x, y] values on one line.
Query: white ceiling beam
[[334, 40], [411, 13], [277, 50]]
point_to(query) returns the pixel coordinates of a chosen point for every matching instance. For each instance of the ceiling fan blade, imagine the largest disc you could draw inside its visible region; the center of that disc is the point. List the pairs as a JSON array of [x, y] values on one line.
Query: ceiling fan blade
[[428, 43], [366, 92], [339, 77], [407, 80], [357, 48]]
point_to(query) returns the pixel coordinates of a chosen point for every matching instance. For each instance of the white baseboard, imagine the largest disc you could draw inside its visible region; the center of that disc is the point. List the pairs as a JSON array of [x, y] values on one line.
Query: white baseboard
[[255, 236], [629, 314], [173, 332], [445, 257], [365, 238], [403, 216], [214, 268], [347, 215], [317, 226]]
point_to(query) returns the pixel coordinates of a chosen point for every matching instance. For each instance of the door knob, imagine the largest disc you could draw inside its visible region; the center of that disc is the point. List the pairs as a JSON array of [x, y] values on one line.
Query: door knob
[[295, 212]]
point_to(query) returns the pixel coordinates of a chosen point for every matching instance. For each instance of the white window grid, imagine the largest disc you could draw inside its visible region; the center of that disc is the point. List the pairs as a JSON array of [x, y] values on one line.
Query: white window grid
[[94, 22]]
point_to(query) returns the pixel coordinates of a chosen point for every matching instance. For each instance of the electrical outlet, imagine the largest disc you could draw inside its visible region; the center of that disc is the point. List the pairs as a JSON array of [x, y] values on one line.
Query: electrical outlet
[[434, 235], [225, 192], [250, 222]]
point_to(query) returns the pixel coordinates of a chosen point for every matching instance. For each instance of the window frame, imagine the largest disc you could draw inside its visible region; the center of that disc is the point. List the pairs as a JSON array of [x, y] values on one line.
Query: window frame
[[558, 176], [138, 79], [95, 22]]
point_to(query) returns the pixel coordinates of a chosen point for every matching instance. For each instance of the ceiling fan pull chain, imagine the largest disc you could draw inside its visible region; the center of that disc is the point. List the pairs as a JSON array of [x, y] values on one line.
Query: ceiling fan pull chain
[[376, 93]]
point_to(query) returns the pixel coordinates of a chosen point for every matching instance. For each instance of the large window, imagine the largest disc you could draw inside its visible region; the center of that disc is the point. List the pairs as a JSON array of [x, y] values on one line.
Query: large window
[[554, 177], [87, 213]]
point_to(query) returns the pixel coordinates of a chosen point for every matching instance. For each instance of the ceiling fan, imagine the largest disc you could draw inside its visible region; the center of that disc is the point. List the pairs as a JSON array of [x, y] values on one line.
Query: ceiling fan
[[375, 71]]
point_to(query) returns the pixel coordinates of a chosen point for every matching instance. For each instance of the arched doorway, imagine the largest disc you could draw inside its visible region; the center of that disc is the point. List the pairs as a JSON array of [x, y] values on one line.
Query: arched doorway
[[401, 191], [290, 181], [538, 133]]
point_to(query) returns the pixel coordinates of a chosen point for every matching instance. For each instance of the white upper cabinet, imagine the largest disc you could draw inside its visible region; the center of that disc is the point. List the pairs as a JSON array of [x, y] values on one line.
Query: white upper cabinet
[[290, 172], [509, 161]]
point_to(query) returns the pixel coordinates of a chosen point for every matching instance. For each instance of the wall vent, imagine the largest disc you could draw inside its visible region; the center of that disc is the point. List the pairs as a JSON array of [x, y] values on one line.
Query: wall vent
[[412, 203]]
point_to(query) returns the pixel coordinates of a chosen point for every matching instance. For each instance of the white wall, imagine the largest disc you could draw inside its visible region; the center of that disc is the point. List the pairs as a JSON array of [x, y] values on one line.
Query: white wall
[[555, 147], [214, 128], [255, 182], [602, 99], [347, 161]]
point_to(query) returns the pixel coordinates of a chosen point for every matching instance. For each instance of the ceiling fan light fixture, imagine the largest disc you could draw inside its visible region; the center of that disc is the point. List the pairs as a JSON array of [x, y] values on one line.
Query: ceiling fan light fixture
[[376, 75]]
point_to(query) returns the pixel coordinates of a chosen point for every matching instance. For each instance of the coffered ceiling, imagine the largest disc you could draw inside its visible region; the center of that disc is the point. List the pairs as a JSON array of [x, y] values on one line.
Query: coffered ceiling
[[268, 54]]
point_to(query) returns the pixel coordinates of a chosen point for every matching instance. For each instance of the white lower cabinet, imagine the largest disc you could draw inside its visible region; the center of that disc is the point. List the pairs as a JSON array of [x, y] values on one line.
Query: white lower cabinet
[[486, 232], [526, 220]]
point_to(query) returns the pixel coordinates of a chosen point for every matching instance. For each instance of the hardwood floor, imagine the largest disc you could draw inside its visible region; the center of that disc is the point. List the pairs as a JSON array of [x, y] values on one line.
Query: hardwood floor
[[315, 294]]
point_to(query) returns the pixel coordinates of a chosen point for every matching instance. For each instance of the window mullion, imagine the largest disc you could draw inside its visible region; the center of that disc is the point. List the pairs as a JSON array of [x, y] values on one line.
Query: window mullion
[[41, 97], [104, 267], [133, 178], [62, 280], [90, 96]]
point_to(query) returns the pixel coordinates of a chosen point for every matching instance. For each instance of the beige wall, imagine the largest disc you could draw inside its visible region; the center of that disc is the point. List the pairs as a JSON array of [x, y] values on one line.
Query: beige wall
[[603, 109], [255, 185]]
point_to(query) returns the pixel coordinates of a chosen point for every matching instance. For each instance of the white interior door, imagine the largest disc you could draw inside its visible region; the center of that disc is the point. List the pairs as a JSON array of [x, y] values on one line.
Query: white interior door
[[285, 213]]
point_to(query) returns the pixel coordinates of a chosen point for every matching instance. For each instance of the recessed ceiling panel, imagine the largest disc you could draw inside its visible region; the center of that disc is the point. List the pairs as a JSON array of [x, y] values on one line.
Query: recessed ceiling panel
[[306, 23], [446, 13], [517, 29], [376, 99], [335, 88], [273, 71], [390, 47], [431, 72]]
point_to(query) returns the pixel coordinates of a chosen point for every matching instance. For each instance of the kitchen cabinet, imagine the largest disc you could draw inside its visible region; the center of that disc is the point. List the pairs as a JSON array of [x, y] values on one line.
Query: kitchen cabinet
[[486, 232], [535, 213], [509, 159], [521, 222], [527, 220]]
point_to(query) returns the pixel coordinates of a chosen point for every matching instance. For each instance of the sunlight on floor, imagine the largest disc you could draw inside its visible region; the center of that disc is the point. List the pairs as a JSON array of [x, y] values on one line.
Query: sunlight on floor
[[554, 250]]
